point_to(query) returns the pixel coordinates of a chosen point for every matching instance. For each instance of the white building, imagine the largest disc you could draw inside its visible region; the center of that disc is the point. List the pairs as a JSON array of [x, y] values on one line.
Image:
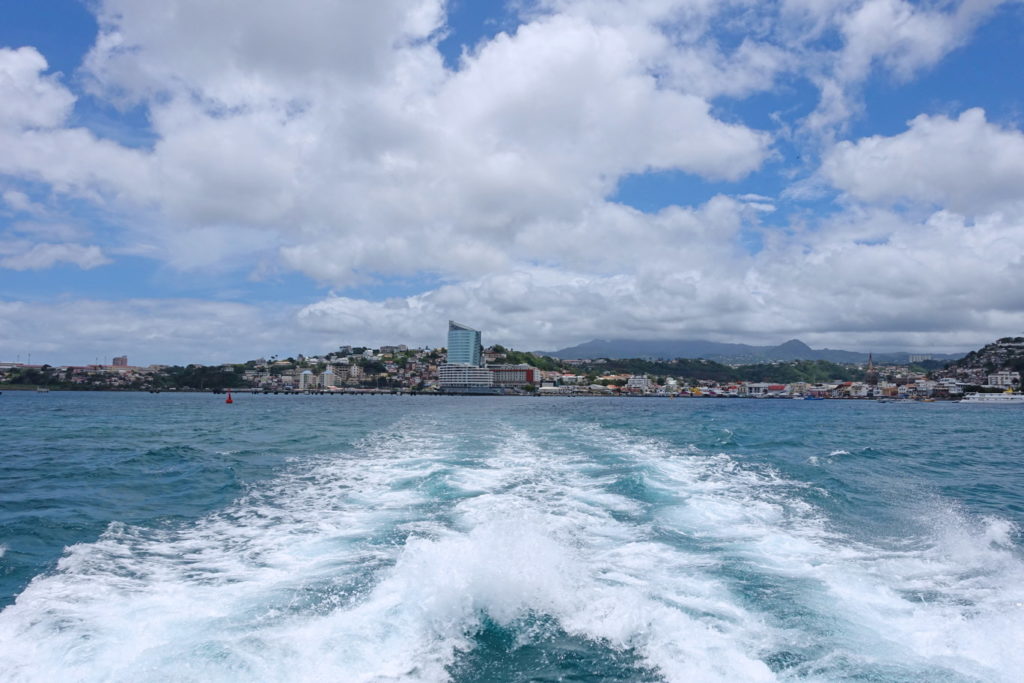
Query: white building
[[925, 387], [1004, 378], [638, 383], [755, 389], [952, 385], [457, 377], [307, 380], [329, 379]]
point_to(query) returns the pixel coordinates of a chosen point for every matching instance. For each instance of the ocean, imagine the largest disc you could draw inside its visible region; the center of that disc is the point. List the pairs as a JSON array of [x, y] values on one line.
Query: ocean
[[165, 537]]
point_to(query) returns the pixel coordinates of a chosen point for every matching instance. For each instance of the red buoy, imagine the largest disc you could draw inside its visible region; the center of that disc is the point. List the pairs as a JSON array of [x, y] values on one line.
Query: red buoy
[[229, 399]]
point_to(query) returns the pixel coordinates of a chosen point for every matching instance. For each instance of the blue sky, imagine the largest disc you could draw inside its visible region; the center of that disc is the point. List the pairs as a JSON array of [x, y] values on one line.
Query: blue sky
[[195, 181]]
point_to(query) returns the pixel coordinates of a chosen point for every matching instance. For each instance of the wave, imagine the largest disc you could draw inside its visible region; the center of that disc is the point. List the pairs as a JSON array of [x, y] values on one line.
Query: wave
[[943, 604], [394, 559]]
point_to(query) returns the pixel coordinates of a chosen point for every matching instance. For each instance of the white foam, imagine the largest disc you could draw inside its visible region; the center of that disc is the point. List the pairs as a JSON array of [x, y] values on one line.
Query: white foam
[[533, 533], [144, 600], [948, 599], [350, 569], [605, 579]]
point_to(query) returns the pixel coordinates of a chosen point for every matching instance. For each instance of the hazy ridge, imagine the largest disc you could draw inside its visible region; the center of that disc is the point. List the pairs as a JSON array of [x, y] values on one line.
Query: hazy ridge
[[722, 352]]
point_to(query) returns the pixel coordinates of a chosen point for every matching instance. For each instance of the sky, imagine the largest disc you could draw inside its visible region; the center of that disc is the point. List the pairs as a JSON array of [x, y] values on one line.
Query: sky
[[217, 180]]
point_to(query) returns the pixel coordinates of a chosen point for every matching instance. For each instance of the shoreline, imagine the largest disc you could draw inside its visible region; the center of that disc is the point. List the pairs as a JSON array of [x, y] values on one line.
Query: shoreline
[[399, 392]]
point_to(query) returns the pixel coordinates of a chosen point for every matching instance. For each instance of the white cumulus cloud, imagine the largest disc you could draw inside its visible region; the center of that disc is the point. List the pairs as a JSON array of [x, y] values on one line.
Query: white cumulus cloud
[[29, 99], [331, 139], [966, 164]]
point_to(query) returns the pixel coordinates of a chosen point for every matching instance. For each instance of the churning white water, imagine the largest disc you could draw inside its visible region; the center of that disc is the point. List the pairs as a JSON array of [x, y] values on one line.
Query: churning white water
[[392, 560]]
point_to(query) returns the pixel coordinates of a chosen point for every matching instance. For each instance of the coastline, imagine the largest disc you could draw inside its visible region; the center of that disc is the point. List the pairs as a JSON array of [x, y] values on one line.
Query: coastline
[[400, 392]]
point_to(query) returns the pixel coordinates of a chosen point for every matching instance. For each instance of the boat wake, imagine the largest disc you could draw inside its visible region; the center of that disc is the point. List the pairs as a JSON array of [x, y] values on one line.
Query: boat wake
[[568, 550]]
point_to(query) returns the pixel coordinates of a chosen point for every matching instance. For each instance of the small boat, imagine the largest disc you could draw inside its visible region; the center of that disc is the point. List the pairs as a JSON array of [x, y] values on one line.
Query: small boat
[[43, 390]]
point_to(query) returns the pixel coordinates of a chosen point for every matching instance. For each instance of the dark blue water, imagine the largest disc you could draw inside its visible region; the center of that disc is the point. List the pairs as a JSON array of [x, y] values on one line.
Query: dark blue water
[[173, 537]]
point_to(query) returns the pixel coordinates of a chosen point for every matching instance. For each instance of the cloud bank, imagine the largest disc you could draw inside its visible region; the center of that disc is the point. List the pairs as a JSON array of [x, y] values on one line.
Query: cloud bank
[[334, 140]]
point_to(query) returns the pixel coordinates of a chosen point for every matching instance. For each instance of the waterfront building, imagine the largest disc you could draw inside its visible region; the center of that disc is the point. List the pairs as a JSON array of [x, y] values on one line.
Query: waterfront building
[[754, 389], [925, 387], [464, 347], [307, 380], [638, 383], [459, 377], [517, 376], [464, 370], [952, 385]]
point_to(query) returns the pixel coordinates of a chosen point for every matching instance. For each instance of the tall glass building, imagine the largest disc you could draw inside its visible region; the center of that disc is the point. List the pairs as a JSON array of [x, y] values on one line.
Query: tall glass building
[[464, 347]]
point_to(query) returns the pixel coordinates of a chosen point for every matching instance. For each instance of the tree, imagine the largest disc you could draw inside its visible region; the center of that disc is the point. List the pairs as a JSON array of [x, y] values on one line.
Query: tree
[[373, 367]]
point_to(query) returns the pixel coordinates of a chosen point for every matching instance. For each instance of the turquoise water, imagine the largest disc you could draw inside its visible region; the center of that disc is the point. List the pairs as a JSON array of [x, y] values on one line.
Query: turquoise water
[[173, 537]]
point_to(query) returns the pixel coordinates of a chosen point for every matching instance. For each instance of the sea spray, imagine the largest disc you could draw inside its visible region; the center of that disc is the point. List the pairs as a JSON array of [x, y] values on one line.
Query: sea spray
[[466, 540]]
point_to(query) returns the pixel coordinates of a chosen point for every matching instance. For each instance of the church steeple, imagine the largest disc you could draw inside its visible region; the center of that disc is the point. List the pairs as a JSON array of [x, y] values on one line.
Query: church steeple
[[871, 375]]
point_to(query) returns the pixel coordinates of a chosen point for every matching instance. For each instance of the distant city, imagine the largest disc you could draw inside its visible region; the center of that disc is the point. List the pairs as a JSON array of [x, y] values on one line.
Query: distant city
[[466, 366]]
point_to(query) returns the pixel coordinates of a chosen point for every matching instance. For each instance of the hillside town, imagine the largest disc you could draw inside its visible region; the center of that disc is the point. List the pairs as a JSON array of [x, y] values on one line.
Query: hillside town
[[465, 366]]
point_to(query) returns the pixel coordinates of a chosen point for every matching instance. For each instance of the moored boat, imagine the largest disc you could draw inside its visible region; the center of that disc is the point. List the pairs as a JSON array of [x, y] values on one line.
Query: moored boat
[[1004, 398]]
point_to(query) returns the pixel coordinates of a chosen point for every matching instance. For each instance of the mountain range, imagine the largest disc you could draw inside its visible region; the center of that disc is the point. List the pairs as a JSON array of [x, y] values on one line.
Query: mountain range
[[721, 352]]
